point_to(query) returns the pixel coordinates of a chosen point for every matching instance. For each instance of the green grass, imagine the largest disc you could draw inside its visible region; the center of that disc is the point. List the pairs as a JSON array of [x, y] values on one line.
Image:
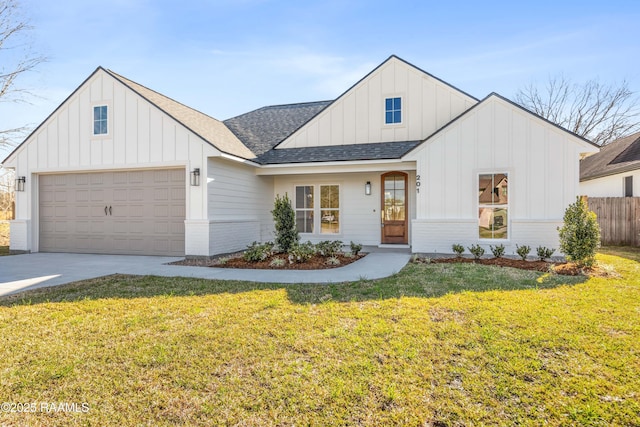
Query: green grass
[[437, 344]]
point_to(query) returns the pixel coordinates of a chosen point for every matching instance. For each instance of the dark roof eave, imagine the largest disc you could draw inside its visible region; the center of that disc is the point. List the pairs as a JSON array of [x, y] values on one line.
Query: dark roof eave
[[628, 168]]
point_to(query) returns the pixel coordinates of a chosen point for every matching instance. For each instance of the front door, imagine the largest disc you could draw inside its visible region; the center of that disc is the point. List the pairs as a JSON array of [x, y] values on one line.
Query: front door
[[394, 208]]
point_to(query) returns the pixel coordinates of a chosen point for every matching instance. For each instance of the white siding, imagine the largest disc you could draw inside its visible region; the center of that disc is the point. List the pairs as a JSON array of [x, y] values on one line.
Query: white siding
[[610, 186], [240, 205], [496, 136], [360, 214], [140, 136], [358, 116]]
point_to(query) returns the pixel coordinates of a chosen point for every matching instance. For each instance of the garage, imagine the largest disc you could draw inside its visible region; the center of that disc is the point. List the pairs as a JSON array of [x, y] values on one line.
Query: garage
[[134, 212]]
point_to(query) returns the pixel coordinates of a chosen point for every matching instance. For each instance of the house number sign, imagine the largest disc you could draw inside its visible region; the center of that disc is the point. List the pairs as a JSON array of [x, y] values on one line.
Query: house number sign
[[417, 183]]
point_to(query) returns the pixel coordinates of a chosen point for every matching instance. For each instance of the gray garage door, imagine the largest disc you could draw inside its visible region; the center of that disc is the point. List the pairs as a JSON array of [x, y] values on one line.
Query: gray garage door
[[128, 212]]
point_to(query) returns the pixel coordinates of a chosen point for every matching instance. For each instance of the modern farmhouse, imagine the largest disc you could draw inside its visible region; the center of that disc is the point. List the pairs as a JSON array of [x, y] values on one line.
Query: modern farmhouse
[[400, 158]]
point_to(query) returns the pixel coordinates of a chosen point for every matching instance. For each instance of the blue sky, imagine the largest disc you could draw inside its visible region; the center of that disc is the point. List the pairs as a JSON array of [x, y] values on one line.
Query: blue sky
[[227, 57]]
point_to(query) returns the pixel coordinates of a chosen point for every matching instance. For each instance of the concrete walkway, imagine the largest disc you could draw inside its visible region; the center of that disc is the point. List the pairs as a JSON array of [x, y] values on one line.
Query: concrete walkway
[[30, 271]]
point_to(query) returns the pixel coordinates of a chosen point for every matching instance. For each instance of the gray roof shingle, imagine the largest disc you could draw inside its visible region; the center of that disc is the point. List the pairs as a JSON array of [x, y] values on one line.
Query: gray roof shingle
[[211, 130], [260, 130], [619, 156], [336, 153]]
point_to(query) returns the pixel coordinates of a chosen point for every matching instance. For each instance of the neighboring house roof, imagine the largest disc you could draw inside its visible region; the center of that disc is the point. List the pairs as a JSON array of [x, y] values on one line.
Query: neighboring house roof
[[211, 130], [619, 156], [336, 153], [260, 130]]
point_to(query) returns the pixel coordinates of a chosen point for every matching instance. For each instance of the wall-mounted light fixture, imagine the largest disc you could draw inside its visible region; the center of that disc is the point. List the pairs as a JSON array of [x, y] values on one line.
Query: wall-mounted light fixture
[[20, 183], [195, 177], [367, 188]]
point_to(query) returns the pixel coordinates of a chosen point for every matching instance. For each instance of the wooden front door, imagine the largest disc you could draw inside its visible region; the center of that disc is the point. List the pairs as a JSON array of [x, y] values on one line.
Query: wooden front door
[[394, 208]]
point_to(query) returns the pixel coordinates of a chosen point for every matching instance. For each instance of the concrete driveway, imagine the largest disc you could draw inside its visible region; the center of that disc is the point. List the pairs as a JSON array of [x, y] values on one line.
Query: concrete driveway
[[29, 271]]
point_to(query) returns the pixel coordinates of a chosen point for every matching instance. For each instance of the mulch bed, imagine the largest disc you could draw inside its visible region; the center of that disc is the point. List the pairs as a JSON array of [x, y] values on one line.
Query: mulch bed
[[235, 260], [564, 268]]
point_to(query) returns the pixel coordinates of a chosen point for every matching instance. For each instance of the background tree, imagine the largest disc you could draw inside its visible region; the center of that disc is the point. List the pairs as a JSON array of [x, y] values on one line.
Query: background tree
[[17, 57], [596, 111]]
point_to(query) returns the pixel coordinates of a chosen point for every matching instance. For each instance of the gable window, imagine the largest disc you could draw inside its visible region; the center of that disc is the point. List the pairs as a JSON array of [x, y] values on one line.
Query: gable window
[[323, 216], [100, 120], [304, 208], [628, 186], [493, 206], [393, 110]]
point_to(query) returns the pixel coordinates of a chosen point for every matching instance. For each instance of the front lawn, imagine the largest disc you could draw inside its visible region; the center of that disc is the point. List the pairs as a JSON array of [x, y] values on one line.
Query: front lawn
[[435, 345]]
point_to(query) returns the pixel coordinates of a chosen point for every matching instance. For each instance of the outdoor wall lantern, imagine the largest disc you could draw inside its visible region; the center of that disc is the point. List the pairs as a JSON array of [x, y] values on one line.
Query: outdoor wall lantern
[[195, 177], [367, 188], [20, 183]]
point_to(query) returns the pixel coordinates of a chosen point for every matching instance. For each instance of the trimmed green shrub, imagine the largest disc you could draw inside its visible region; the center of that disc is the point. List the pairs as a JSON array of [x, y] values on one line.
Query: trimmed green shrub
[[477, 251], [285, 223], [458, 250], [523, 251], [277, 262], [544, 252], [497, 250], [355, 248], [580, 234], [329, 248], [333, 261], [301, 252], [257, 252]]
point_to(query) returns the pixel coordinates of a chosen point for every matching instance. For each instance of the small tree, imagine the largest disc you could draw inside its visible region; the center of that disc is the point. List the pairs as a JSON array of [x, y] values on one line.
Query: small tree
[[580, 234], [285, 222]]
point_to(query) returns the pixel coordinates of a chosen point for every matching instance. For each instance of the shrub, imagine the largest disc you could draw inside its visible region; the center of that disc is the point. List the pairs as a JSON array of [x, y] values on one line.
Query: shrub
[[523, 251], [329, 248], [257, 252], [544, 252], [301, 252], [355, 248], [285, 223], [333, 261], [497, 250], [580, 234], [458, 250], [277, 262], [477, 251]]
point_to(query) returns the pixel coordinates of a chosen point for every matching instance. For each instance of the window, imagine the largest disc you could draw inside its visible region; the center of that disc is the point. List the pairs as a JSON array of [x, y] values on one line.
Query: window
[[100, 120], [304, 209], [493, 206], [327, 211], [393, 110], [628, 186]]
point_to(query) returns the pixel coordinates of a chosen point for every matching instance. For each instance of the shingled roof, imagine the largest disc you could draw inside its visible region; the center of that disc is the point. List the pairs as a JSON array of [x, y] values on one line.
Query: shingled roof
[[619, 156], [338, 153], [260, 130], [211, 130]]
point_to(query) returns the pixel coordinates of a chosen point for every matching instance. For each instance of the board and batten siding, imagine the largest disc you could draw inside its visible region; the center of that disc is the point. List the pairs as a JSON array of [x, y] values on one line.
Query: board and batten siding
[[139, 136], [494, 137], [360, 214], [357, 117], [240, 205]]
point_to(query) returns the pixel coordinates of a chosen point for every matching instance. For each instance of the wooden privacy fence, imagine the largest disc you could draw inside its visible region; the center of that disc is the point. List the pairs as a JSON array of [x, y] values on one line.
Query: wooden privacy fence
[[619, 219]]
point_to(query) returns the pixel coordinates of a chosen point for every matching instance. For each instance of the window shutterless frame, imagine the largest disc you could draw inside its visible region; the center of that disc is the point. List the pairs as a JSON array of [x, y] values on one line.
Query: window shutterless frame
[[393, 110], [493, 205], [100, 120]]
